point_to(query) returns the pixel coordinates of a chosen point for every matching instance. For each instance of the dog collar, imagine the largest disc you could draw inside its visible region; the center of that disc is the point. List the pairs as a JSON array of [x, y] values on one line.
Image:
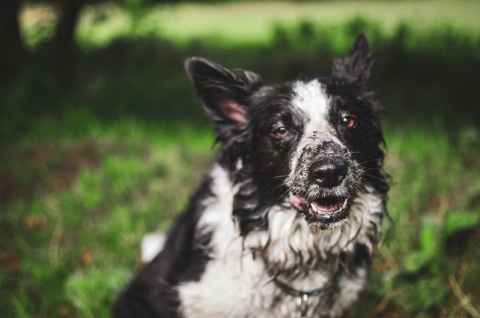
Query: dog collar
[[302, 296]]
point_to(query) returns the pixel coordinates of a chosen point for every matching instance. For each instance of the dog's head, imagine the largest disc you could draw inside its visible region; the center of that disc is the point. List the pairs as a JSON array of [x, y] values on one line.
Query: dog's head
[[309, 143]]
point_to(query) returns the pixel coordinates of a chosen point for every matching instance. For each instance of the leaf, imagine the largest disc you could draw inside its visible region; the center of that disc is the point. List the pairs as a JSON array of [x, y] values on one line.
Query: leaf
[[428, 292], [429, 235], [99, 285], [458, 221], [416, 261]]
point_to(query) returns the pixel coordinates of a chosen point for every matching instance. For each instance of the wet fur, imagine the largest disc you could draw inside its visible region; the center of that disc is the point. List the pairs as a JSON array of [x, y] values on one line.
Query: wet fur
[[240, 223]]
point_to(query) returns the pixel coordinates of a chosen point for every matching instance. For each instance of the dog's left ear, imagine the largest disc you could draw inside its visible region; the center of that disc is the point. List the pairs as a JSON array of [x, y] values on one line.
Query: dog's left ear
[[355, 66], [224, 93]]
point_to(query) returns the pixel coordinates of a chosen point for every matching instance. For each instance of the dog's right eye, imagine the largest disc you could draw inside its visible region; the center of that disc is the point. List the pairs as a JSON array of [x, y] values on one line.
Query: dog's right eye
[[349, 122], [281, 131]]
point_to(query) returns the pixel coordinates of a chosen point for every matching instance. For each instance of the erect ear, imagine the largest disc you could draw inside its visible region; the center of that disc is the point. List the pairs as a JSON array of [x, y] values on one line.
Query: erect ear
[[355, 66], [224, 93]]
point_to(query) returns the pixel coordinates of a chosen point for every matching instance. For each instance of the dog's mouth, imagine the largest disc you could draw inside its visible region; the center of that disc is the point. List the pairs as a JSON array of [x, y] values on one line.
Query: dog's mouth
[[325, 211]]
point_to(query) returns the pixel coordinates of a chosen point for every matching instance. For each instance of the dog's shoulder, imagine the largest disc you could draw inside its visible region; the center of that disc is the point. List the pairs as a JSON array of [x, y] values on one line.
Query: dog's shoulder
[[186, 251]]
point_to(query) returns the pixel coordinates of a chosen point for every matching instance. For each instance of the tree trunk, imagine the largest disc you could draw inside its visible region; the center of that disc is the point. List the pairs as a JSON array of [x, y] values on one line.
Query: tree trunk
[[65, 30], [11, 49], [64, 43]]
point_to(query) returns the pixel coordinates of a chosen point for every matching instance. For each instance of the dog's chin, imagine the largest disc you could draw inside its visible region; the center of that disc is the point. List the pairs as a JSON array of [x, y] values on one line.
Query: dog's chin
[[325, 212]]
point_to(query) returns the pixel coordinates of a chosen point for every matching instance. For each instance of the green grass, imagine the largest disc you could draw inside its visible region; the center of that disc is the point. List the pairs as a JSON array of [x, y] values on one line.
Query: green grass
[[238, 23], [434, 206], [253, 21], [85, 205], [86, 201], [89, 168]]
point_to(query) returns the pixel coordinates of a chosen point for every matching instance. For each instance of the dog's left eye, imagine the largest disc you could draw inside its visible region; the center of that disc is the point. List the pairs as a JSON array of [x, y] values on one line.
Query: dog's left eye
[[281, 131], [349, 122]]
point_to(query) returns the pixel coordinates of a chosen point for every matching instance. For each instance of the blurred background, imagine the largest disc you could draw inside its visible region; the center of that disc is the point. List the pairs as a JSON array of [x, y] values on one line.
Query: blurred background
[[102, 139]]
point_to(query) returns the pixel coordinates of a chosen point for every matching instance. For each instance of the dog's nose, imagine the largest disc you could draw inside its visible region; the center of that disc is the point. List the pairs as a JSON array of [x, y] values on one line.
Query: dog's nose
[[329, 173]]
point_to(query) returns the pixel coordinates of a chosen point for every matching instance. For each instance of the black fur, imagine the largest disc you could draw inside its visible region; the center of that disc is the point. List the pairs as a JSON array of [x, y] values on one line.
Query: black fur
[[183, 258], [250, 121]]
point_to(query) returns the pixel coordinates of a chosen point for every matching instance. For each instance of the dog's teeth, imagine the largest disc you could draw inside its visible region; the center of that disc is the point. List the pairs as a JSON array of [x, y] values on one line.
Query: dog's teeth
[[317, 210]]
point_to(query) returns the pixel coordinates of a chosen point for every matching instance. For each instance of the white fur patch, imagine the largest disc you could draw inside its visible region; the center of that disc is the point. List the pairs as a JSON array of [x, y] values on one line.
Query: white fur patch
[[310, 98], [152, 244], [231, 278], [235, 284]]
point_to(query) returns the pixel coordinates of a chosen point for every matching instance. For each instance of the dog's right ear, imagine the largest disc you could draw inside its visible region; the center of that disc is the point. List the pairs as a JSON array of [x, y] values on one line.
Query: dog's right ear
[[355, 66], [224, 93]]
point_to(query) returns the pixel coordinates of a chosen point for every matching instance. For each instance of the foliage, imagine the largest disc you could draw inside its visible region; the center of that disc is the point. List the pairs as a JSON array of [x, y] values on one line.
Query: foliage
[[88, 195], [95, 194], [434, 210], [99, 153], [125, 72]]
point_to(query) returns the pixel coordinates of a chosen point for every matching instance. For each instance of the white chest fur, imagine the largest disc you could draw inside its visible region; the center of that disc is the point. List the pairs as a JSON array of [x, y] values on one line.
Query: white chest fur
[[236, 283]]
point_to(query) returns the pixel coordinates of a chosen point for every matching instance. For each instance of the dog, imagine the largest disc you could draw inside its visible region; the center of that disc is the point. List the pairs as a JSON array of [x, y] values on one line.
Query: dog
[[284, 223]]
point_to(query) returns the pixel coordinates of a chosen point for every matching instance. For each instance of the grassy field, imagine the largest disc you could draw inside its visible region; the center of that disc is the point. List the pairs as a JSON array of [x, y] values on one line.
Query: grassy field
[[253, 21], [238, 23], [84, 200], [95, 159]]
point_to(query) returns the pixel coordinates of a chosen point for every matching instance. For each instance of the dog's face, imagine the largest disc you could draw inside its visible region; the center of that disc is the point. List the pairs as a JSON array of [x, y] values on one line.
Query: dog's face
[[314, 143]]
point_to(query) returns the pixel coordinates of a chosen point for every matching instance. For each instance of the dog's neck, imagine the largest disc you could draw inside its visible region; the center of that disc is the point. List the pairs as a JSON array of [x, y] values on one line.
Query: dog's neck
[[291, 243], [302, 257], [293, 246]]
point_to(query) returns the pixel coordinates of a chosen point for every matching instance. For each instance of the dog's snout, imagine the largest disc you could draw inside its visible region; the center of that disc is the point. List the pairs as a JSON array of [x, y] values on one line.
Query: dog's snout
[[329, 173]]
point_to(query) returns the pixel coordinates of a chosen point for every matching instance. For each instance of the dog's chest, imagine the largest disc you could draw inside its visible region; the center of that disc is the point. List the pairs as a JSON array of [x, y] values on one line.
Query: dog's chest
[[237, 287], [233, 281], [235, 284], [240, 286]]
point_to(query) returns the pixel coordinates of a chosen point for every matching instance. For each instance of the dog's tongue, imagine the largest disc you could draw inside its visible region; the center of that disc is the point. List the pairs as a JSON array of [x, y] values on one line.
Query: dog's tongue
[[326, 208], [296, 201], [329, 206]]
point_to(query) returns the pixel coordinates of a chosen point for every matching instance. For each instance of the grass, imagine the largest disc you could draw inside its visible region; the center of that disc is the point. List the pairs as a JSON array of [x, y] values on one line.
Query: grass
[[86, 201], [88, 169], [245, 21], [434, 205], [238, 23], [83, 198]]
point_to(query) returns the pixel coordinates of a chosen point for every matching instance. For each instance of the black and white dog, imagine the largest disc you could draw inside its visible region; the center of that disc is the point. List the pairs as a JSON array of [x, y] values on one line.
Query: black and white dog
[[284, 223]]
